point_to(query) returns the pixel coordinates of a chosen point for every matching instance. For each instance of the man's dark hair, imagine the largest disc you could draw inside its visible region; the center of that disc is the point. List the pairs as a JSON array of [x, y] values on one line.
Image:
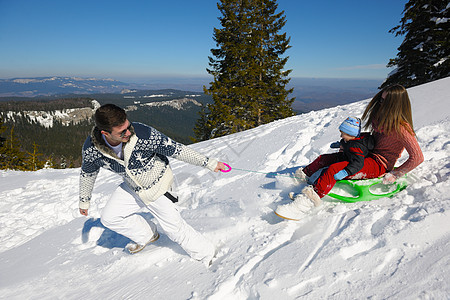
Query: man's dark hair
[[108, 116]]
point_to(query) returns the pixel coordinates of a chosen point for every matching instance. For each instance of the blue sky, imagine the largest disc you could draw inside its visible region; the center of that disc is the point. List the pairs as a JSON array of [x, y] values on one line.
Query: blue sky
[[138, 40]]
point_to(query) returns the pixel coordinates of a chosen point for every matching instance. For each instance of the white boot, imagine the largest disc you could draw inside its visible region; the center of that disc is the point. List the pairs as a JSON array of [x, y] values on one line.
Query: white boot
[[311, 194], [300, 175], [135, 248], [296, 209]]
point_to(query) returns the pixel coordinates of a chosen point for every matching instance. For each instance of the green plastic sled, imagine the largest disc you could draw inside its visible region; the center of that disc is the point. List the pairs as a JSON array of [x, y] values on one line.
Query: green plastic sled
[[362, 188]]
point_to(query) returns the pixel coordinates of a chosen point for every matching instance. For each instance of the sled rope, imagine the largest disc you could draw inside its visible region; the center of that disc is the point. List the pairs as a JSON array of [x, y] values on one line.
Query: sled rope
[[259, 172], [363, 191]]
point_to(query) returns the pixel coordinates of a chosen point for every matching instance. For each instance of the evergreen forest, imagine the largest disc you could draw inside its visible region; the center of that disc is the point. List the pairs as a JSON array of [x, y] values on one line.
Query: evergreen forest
[[27, 145], [424, 54], [59, 146]]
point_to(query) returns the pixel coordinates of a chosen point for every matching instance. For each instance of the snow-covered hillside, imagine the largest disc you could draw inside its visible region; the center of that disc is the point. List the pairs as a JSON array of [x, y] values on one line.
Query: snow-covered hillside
[[67, 117], [395, 248]]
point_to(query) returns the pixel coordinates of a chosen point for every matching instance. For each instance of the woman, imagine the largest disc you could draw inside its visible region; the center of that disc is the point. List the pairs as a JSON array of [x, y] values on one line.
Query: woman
[[389, 115]]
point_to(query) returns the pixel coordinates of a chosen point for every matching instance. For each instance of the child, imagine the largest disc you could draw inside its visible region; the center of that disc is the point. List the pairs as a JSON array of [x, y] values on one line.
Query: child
[[354, 147]]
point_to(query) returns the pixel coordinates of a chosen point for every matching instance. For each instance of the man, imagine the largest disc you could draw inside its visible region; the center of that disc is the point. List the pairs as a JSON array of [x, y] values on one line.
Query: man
[[139, 154]]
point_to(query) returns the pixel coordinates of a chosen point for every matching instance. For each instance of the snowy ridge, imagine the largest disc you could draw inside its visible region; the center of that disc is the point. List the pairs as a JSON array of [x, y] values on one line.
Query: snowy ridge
[[28, 80], [30, 87], [388, 248], [46, 119], [176, 103]]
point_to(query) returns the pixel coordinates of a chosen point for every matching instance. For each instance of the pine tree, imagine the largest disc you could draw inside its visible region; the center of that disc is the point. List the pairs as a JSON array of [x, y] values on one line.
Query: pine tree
[[424, 54], [249, 87], [34, 161], [11, 156], [3, 148]]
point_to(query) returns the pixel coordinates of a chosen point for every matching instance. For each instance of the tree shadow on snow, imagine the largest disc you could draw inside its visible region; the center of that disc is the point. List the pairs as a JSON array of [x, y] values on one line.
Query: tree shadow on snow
[[284, 181], [289, 172]]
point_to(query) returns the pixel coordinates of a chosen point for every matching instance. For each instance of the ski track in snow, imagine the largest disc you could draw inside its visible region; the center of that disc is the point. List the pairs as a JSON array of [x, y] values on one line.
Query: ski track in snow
[[389, 248]]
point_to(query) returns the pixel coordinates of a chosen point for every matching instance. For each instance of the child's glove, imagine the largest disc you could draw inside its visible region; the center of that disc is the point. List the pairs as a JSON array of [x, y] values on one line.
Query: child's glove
[[335, 145], [389, 178], [340, 175]]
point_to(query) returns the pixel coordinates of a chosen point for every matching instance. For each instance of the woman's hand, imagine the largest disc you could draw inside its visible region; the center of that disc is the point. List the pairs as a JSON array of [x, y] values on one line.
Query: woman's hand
[[389, 178]]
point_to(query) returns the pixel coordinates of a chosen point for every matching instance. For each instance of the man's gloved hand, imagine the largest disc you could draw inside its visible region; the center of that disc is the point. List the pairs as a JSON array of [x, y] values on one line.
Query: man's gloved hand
[[340, 175]]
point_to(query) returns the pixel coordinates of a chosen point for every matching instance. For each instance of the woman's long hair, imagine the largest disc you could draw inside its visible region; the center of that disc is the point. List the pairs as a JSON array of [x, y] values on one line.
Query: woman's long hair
[[390, 113]]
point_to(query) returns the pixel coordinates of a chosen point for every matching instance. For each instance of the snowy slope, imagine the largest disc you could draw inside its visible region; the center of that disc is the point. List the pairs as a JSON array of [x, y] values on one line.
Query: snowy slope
[[389, 248]]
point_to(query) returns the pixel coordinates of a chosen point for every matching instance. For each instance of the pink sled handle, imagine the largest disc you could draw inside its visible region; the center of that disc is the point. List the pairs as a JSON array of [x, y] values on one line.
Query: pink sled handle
[[226, 171]]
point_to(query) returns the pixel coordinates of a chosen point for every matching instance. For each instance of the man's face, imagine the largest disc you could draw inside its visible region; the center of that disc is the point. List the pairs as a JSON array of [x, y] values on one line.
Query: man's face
[[119, 134]]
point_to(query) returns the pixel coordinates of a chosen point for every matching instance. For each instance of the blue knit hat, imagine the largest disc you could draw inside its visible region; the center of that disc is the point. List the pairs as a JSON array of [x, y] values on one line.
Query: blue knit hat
[[351, 126]]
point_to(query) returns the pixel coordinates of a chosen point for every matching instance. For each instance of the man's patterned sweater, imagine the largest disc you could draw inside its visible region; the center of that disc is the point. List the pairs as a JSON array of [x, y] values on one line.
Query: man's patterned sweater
[[145, 166]]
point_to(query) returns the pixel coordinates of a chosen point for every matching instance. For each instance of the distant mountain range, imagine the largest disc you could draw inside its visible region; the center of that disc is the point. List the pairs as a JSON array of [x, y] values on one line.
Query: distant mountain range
[[48, 86], [319, 93], [310, 93]]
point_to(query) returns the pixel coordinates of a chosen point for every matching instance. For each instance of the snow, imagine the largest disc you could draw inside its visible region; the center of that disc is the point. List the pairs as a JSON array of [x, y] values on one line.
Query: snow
[[24, 80], [47, 118], [155, 96], [176, 103], [389, 248], [28, 80], [439, 20]]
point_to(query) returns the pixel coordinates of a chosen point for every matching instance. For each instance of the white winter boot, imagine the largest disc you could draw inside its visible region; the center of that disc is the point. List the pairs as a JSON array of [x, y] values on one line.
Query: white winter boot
[[296, 209], [300, 175], [311, 194], [135, 248]]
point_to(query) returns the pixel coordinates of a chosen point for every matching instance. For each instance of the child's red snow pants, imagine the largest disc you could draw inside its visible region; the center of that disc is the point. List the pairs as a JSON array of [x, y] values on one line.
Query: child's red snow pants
[[371, 169]]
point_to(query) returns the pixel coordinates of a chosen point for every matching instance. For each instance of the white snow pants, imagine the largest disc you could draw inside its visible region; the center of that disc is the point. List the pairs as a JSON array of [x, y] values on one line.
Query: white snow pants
[[121, 215]]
